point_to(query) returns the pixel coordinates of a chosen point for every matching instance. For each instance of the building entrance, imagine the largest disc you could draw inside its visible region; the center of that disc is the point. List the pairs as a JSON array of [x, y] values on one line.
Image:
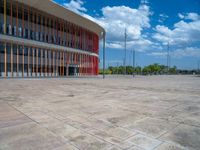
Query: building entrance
[[73, 70]]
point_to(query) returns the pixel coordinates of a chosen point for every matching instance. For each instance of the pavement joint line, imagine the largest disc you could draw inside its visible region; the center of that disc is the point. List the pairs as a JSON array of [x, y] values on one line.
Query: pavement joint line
[[68, 142], [22, 113], [158, 145], [38, 124], [130, 136], [134, 145], [168, 132], [147, 137], [94, 135]]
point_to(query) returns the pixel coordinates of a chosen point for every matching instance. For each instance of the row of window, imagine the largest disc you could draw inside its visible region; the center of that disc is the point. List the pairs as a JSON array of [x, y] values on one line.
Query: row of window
[[36, 25], [19, 60], [38, 36], [36, 52]]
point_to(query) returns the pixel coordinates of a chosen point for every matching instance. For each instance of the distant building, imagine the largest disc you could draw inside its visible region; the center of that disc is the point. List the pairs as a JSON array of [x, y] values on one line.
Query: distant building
[[39, 38]]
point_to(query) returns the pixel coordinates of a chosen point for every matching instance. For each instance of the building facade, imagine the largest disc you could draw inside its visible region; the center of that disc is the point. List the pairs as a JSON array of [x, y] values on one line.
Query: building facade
[[43, 39]]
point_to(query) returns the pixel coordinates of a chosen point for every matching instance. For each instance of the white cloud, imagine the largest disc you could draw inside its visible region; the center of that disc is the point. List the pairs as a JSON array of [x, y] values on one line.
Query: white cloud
[[182, 33], [190, 16], [138, 45], [181, 37], [158, 54], [115, 19], [186, 52], [162, 18], [179, 53], [76, 6], [144, 2], [181, 16]]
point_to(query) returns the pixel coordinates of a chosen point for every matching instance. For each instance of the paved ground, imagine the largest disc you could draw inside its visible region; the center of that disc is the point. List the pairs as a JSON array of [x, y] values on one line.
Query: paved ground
[[144, 113]]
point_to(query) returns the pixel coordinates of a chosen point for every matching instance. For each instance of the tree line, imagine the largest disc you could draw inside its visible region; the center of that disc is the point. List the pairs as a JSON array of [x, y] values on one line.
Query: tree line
[[153, 69]]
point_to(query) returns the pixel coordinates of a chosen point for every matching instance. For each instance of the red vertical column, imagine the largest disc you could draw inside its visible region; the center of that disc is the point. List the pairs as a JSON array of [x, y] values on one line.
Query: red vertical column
[[97, 66], [76, 57], [86, 41], [81, 64], [93, 66], [79, 58], [90, 65], [88, 58], [85, 64], [93, 42]]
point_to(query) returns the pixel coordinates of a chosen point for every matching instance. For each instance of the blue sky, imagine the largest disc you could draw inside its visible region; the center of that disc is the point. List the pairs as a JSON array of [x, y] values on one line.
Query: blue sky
[[150, 24]]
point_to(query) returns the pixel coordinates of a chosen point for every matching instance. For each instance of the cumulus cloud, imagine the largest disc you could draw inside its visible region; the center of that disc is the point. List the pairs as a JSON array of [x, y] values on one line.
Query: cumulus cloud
[[138, 45], [182, 32], [76, 6], [116, 18], [158, 54], [162, 18], [182, 37], [187, 52], [190, 16], [181, 16], [179, 53]]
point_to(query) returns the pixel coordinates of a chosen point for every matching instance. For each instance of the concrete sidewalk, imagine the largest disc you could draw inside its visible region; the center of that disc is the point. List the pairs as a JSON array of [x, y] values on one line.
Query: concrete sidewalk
[[142, 113]]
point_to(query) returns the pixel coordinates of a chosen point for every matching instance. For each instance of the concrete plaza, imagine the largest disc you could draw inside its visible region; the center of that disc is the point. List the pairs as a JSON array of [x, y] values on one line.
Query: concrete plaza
[[141, 113]]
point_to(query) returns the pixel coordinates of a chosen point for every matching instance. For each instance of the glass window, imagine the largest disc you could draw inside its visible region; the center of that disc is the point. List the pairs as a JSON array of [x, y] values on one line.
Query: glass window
[[20, 50], [39, 52], [14, 49], [1, 6], [25, 15], [8, 48], [1, 47], [25, 51]]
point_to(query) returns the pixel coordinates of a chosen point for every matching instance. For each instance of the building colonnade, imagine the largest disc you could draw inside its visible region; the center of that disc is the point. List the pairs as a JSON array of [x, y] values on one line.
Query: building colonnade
[[24, 61], [22, 22]]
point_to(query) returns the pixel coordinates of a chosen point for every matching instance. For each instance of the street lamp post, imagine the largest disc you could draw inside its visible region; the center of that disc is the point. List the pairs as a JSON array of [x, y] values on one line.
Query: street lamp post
[[133, 63], [125, 37], [104, 55]]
